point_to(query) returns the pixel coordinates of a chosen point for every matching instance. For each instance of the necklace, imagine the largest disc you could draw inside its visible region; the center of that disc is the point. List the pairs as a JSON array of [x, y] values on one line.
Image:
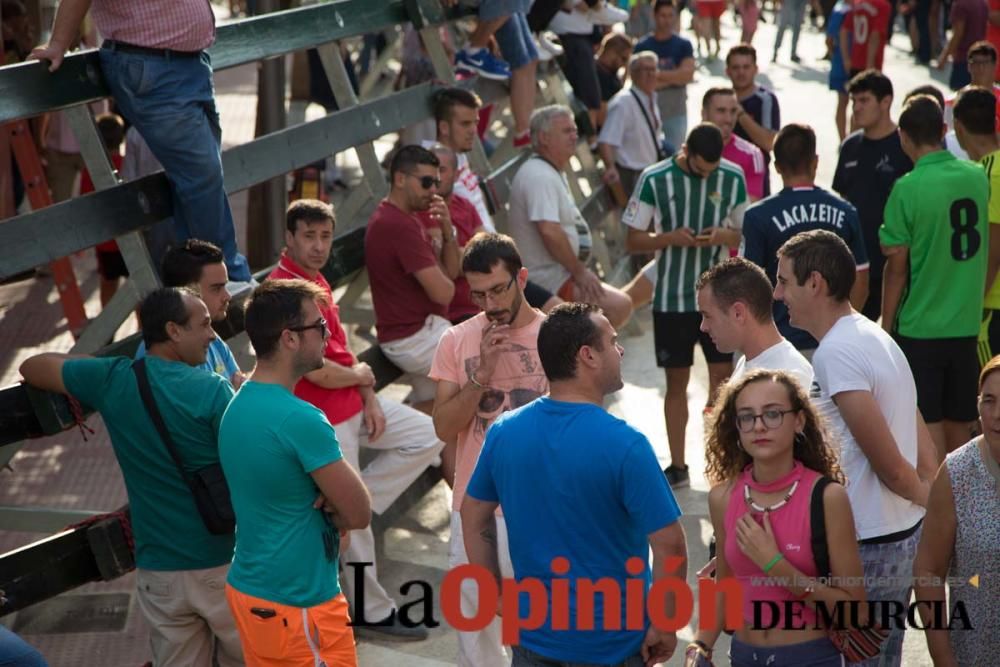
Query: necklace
[[771, 508]]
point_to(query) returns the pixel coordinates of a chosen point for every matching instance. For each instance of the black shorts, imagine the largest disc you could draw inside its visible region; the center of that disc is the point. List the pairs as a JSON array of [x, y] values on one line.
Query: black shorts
[[536, 296], [580, 70], [111, 265], [946, 372], [674, 337]]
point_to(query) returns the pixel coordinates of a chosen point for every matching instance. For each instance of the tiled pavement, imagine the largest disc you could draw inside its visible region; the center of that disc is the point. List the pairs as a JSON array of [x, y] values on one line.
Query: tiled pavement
[[62, 471]]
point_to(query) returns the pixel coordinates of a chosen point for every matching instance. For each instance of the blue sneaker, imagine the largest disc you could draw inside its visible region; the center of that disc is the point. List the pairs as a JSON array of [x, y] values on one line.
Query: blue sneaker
[[483, 63]]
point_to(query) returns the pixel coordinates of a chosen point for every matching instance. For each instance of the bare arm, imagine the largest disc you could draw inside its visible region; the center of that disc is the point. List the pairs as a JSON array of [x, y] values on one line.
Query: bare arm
[[607, 152], [874, 40], [845, 49], [682, 75], [897, 270], [346, 493], [928, 455], [44, 371], [439, 287], [930, 567], [957, 32], [557, 244], [669, 547], [995, 17], [863, 417], [718, 499], [859, 293], [69, 16], [993, 263], [760, 135], [454, 408], [479, 530], [334, 376]]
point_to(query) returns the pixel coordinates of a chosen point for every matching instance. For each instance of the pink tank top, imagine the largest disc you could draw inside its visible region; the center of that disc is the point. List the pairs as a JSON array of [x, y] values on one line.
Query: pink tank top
[[792, 531]]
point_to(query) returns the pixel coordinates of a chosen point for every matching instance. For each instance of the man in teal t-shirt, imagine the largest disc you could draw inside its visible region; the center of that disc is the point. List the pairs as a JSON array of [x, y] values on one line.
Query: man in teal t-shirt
[[292, 490], [181, 567], [936, 241]]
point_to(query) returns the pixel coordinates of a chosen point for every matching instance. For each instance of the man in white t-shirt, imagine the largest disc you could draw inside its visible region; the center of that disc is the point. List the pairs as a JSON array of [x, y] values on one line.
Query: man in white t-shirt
[[734, 300], [484, 367], [553, 237], [886, 452], [456, 114]]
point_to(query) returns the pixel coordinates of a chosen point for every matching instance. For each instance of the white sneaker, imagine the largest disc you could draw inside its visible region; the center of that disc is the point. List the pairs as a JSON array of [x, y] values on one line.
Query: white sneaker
[[547, 48], [607, 14]]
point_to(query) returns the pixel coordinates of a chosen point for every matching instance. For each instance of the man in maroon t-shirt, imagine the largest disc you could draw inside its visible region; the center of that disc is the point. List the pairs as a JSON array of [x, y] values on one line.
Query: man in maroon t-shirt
[[464, 223], [864, 34], [410, 289], [342, 389]]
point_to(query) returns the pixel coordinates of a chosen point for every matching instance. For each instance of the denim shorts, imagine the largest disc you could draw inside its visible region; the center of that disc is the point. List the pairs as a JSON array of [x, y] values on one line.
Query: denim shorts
[[816, 653], [494, 9], [527, 658], [516, 45]]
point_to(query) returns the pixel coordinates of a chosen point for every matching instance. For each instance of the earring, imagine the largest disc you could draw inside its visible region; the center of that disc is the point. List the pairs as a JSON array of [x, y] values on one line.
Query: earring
[[800, 438]]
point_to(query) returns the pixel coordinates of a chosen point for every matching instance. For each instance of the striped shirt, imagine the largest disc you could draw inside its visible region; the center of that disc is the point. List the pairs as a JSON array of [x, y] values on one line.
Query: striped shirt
[[181, 25], [671, 199]]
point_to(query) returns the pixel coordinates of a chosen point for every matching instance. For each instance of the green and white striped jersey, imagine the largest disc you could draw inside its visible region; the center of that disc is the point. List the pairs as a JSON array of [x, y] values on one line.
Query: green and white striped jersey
[[671, 199]]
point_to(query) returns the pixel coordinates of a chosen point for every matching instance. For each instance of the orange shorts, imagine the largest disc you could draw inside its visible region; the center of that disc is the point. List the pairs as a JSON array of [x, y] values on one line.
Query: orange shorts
[[292, 636], [567, 290]]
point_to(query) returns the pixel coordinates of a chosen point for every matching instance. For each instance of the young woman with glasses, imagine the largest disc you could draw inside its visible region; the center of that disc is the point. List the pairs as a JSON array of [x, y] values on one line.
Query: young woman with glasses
[[765, 451]]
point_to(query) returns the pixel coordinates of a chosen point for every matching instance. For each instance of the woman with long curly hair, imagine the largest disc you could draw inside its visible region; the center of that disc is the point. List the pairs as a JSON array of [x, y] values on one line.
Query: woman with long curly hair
[[766, 451]]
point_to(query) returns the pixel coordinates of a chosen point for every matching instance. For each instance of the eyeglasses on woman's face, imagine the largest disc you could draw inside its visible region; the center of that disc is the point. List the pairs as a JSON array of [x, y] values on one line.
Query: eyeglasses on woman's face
[[772, 419]]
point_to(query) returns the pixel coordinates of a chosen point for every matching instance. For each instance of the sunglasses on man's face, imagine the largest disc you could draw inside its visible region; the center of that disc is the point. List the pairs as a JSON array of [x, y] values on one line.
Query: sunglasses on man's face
[[427, 182]]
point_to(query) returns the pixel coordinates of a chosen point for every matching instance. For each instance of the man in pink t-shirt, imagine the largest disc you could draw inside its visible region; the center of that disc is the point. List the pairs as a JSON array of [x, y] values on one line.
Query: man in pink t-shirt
[[721, 108], [484, 367]]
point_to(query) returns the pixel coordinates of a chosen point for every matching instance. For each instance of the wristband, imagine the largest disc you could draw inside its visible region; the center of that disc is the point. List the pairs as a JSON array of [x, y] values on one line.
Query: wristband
[[773, 562], [475, 382]]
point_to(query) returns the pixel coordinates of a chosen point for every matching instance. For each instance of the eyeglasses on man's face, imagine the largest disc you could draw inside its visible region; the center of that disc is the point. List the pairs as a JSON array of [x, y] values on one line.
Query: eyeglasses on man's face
[[427, 182], [320, 325], [772, 419], [494, 292]]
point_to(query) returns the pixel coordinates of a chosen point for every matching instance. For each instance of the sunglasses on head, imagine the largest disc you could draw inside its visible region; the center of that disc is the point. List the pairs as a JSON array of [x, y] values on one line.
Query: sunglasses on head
[[426, 182]]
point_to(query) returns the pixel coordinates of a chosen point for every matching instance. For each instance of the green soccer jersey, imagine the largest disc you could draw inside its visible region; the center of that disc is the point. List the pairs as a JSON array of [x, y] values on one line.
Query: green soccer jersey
[[939, 211], [672, 199], [991, 163]]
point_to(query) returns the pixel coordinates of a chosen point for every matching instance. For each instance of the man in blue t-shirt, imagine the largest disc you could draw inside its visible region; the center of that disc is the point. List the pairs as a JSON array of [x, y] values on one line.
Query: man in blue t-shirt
[[292, 490], [577, 483], [676, 71], [799, 207], [180, 567], [201, 266]]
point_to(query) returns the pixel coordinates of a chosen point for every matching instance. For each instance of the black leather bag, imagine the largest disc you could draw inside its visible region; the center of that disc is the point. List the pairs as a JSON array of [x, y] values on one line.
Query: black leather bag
[[208, 485]]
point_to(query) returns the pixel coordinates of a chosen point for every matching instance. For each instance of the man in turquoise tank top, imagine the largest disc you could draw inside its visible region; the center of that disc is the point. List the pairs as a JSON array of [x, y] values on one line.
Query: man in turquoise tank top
[[936, 240]]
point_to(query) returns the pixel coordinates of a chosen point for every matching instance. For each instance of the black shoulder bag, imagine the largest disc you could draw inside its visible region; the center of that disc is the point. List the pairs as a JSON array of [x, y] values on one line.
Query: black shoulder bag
[[208, 484], [660, 155], [856, 644]]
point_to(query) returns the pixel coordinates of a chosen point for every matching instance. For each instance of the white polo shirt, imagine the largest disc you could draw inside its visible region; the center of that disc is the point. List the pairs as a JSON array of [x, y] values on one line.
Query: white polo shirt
[[626, 129]]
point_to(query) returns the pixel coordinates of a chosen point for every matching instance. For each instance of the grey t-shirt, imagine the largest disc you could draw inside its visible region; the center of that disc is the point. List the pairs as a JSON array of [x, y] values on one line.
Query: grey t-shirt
[[540, 193]]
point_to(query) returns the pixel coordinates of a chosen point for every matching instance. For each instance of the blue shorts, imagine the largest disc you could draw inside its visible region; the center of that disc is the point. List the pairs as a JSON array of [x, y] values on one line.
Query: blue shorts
[[516, 45], [494, 9], [838, 79]]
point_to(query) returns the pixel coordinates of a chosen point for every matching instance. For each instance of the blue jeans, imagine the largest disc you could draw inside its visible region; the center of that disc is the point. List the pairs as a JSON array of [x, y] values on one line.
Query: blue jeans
[[15, 652], [791, 15], [893, 563], [675, 131], [527, 658], [171, 102], [814, 653]]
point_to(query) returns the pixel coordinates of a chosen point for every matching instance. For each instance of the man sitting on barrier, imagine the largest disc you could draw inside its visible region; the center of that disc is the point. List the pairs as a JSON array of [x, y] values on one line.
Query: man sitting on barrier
[[342, 389], [200, 266], [292, 492], [154, 60], [410, 289], [181, 566], [456, 112], [549, 229]]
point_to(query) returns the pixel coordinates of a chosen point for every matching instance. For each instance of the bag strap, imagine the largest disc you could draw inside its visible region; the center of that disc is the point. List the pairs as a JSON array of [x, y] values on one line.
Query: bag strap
[[649, 123], [817, 525], [146, 393]]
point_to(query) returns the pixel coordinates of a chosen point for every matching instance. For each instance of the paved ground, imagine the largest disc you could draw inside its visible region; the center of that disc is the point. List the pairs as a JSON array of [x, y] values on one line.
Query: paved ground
[[65, 472]]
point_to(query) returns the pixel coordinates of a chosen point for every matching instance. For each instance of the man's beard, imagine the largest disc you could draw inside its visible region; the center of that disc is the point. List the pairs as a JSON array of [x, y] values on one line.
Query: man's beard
[[515, 308]]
